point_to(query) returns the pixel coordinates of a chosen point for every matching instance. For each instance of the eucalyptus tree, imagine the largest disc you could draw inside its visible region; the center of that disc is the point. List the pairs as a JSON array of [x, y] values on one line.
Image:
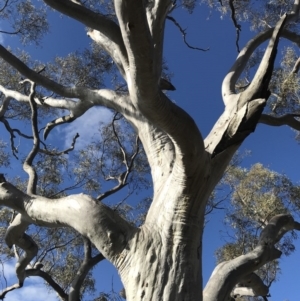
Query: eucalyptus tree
[[161, 259], [256, 195]]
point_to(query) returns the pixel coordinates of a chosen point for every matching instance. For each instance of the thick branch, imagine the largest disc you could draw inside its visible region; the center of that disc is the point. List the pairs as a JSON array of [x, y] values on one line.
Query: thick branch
[[110, 99], [258, 88], [243, 110], [227, 274], [109, 34], [15, 234], [251, 285], [229, 82], [92, 219], [156, 16], [110, 47], [143, 84], [140, 48]]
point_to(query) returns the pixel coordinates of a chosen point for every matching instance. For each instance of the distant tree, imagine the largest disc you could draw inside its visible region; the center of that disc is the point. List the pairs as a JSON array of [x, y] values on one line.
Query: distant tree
[[159, 255]]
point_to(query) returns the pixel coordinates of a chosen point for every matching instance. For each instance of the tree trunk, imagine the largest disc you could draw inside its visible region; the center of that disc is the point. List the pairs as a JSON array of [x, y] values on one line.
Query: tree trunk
[[162, 267], [162, 261]]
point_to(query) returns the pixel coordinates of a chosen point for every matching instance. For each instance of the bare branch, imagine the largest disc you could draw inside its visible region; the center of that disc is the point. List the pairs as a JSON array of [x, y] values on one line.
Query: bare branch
[[229, 82], [4, 6], [251, 285], [122, 179], [236, 25], [58, 289], [228, 273], [91, 218], [107, 34], [258, 88], [88, 263], [156, 17], [15, 234], [288, 119], [55, 247], [72, 187], [9, 289], [110, 99], [296, 66], [58, 121], [36, 77], [66, 151], [276, 228], [183, 32], [12, 136], [27, 165]]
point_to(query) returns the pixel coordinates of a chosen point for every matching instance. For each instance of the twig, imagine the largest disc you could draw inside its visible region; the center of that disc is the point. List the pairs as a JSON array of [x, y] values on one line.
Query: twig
[[77, 185], [66, 151], [183, 32], [122, 179], [4, 6], [236, 25]]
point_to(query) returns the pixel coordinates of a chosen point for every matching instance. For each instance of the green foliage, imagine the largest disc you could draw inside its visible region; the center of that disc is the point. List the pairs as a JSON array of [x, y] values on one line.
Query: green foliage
[[257, 195], [26, 20], [109, 156], [260, 15], [4, 155], [285, 85], [85, 69]]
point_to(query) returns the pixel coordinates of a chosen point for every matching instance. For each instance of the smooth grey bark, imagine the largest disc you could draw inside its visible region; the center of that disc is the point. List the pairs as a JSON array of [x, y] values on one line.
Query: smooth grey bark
[[239, 271], [161, 260]]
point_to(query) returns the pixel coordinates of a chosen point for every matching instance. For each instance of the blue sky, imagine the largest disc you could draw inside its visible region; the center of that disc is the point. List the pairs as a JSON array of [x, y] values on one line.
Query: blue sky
[[197, 78]]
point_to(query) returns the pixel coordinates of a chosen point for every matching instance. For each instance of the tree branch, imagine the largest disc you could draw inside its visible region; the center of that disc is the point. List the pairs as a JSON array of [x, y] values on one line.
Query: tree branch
[[243, 110], [12, 136], [229, 82], [50, 281], [236, 25], [259, 86], [15, 234], [183, 32], [105, 43], [156, 16], [227, 274], [63, 152], [138, 41], [110, 99], [288, 119], [91, 218], [122, 179], [27, 165], [38, 78], [106, 32], [251, 285], [88, 263]]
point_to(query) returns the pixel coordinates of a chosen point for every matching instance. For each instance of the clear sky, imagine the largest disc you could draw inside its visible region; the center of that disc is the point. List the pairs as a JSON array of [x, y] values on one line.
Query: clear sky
[[197, 78]]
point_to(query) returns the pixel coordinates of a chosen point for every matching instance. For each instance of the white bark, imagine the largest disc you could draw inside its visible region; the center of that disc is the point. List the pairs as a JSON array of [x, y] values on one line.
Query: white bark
[[105, 229], [230, 273], [162, 259]]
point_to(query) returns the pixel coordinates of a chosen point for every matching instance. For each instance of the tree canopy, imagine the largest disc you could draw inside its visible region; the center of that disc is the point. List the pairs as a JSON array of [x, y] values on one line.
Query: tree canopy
[[70, 210]]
